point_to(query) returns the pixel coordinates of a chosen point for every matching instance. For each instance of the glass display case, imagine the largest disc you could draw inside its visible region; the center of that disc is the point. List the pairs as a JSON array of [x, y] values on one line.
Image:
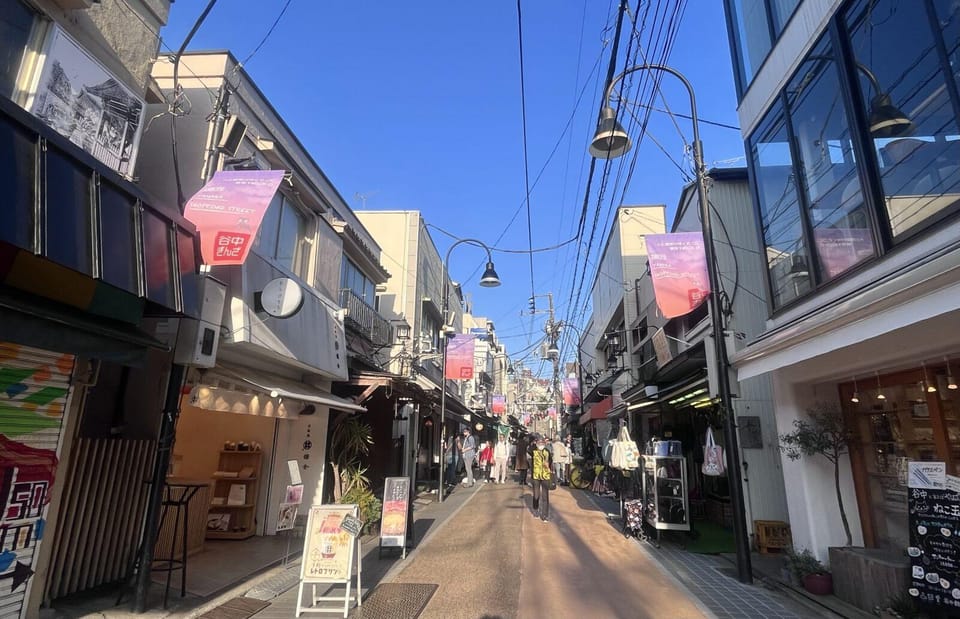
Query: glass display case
[[665, 493]]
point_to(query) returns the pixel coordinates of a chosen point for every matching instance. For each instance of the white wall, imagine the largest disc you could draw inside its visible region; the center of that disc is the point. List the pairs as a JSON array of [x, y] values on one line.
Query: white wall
[[291, 435]]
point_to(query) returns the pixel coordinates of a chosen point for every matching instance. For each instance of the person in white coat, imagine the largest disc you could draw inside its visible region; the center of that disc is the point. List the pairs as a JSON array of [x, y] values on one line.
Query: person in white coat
[[561, 459], [501, 453]]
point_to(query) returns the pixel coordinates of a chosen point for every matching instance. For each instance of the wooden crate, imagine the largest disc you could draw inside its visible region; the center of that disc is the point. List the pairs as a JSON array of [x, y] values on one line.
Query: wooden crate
[[772, 536]]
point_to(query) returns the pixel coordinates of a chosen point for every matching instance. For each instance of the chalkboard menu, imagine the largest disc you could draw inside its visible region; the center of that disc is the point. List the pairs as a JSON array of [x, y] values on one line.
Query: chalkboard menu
[[934, 518]]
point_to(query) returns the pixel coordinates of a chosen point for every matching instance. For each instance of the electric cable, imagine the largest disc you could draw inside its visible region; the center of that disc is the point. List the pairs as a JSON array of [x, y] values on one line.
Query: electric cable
[[266, 36], [526, 159]]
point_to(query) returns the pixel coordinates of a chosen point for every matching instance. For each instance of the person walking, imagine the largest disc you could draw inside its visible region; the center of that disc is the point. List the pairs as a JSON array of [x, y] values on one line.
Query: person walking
[[485, 460], [450, 460], [522, 465], [501, 452], [541, 461], [468, 451], [561, 458]]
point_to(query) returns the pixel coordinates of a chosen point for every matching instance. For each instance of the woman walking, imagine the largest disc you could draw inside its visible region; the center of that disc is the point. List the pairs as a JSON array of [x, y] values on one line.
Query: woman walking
[[522, 464]]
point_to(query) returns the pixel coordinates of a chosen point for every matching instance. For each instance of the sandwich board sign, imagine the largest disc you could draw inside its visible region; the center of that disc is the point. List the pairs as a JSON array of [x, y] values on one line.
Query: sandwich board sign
[[328, 555], [393, 519]]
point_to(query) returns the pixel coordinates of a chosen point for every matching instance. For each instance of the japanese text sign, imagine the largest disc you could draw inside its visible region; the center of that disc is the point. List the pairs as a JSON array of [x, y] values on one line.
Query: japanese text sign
[[328, 549], [571, 391], [934, 520], [499, 404], [678, 266], [228, 210], [393, 521], [460, 357]]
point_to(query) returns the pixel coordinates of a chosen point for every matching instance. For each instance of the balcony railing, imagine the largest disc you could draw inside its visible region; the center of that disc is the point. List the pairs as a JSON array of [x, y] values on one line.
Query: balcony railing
[[365, 320]]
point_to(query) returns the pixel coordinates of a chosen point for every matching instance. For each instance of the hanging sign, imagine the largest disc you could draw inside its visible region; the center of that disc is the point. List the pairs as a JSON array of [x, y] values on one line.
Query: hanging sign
[[352, 525], [571, 391], [460, 356], [393, 520], [678, 267], [498, 404], [934, 520], [228, 210]]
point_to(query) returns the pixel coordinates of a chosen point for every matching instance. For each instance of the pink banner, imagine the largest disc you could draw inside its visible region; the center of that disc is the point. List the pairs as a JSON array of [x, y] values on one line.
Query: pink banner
[[678, 267], [841, 248], [552, 412], [460, 356], [571, 391], [499, 404], [228, 210]]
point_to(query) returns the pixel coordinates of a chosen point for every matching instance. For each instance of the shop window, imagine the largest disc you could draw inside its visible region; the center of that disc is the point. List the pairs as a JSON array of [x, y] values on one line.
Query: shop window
[[354, 280], [159, 265], [17, 178], [16, 25], [189, 279], [909, 97], [118, 238], [780, 221], [842, 236], [67, 220]]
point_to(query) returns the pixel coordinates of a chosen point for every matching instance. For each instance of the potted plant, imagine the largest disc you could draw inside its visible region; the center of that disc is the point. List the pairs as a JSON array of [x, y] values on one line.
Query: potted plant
[[810, 572], [349, 442]]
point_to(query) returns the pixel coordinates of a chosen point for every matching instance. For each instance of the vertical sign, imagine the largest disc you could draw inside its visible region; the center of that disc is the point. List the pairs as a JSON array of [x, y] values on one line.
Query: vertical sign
[[678, 266], [460, 356], [328, 549], [393, 520], [571, 391], [499, 404], [934, 519]]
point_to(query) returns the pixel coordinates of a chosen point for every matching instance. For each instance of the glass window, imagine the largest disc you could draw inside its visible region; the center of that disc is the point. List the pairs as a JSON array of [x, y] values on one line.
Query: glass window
[[780, 221], [67, 222], [118, 240], [17, 177], [157, 246], [906, 97], [753, 40], [189, 279], [16, 22], [266, 241], [292, 240], [842, 235], [780, 11]]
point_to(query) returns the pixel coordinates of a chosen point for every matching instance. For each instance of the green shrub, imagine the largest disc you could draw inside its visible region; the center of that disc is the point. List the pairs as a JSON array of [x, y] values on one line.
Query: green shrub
[[370, 505], [803, 563]]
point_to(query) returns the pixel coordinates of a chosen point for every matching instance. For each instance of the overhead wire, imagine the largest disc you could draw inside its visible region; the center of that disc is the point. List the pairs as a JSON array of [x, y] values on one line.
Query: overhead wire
[[526, 158], [267, 35]]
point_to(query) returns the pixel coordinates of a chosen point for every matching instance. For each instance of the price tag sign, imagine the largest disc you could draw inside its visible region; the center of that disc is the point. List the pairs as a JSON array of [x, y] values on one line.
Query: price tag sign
[[352, 525]]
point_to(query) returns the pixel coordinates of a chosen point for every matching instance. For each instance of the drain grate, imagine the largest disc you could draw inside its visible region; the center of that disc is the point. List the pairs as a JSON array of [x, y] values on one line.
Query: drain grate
[[395, 601]]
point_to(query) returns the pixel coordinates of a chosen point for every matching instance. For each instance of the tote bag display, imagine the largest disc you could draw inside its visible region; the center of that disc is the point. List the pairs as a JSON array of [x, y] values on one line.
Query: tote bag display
[[714, 463], [631, 454]]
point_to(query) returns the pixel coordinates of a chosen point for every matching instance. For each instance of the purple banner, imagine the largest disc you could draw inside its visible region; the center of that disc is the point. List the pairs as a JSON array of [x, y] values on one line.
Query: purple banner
[[499, 404], [678, 266], [571, 391], [841, 248], [460, 356]]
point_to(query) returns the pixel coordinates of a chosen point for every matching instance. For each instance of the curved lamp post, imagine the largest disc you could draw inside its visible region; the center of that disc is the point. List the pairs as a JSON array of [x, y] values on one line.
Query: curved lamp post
[[611, 141], [489, 279]]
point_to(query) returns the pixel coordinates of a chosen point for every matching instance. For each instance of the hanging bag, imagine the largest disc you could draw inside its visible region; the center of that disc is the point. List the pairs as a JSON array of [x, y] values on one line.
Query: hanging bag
[[714, 463], [631, 454], [617, 456]]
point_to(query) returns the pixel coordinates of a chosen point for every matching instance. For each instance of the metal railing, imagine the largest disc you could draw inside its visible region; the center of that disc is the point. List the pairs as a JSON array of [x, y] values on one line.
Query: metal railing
[[364, 319]]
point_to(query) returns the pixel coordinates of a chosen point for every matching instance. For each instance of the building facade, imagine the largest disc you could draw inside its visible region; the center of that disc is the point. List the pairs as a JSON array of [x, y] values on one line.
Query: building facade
[[851, 115]]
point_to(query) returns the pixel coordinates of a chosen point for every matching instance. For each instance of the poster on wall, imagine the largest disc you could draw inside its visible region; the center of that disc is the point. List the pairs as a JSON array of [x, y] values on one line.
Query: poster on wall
[[393, 520], [287, 516], [86, 104], [934, 520], [328, 549], [678, 267]]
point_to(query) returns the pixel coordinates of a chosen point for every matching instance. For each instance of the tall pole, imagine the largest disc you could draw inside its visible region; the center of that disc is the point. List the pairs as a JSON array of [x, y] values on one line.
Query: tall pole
[[744, 570]]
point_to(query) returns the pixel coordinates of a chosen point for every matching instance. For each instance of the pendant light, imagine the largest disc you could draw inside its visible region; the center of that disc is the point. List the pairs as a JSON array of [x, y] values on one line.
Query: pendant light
[[856, 394], [928, 386], [951, 381], [880, 395]]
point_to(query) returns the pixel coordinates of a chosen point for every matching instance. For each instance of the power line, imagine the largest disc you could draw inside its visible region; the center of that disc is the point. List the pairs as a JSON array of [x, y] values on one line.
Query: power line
[[267, 36], [526, 165]]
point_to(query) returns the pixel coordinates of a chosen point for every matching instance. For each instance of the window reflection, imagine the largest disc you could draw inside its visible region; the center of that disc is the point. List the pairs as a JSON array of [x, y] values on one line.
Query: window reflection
[[68, 200], [902, 60], [118, 241], [17, 177], [159, 264], [779, 209], [827, 167]]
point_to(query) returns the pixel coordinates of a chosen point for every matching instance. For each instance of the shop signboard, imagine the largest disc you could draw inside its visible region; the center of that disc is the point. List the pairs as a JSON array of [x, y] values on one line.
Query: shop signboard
[[327, 550], [934, 520], [393, 520]]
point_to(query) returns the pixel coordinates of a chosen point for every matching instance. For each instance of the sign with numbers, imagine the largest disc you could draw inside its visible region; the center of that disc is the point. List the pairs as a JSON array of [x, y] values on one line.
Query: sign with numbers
[[228, 210], [934, 519]]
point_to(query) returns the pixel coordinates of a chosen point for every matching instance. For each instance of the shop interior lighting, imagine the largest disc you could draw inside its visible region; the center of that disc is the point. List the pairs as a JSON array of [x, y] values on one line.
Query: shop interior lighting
[[928, 386], [880, 395], [688, 396], [856, 394], [951, 381]]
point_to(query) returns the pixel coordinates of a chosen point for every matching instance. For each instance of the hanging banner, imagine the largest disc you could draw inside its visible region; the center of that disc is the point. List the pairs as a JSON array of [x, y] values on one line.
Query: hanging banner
[[571, 391], [498, 404], [678, 267], [228, 210], [552, 413], [460, 356]]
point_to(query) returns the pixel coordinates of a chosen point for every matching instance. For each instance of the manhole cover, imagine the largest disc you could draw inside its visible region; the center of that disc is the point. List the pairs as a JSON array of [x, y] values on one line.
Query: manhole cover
[[395, 601]]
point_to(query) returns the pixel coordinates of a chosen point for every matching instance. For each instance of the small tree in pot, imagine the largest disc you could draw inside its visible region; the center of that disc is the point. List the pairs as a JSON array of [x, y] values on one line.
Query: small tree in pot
[[823, 434]]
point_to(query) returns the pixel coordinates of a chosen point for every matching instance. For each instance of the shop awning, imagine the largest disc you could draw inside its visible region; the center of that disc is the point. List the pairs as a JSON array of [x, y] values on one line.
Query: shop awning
[[597, 411], [286, 388]]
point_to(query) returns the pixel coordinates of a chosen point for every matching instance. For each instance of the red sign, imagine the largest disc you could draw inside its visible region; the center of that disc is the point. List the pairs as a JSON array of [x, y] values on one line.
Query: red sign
[[678, 266], [499, 404], [460, 357], [571, 391], [228, 210]]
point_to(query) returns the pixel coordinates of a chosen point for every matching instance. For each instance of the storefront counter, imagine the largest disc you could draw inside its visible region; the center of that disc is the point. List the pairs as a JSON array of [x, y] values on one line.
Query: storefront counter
[[177, 488]]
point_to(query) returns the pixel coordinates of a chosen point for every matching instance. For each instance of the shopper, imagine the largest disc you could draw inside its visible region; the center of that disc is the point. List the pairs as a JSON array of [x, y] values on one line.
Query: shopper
[[485, 459], [522, 444], [450, 460], [468, 451], [561, 458], [501, 452], [542, 463]]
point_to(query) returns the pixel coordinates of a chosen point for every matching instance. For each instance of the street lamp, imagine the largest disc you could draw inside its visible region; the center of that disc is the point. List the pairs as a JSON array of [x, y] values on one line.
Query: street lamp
[[611, 141], [489, 279]]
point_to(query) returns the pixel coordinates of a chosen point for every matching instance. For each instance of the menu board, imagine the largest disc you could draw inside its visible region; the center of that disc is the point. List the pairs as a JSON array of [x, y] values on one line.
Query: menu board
[[393, 521], [328, 549], [934, 518]]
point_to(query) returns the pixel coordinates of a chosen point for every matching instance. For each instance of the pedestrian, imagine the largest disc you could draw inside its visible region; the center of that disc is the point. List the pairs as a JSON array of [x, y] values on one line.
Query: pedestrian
[[468, 451], [450, 460], [522, 444], [561, 458], [485, 459], [541, 460], [501, 452]]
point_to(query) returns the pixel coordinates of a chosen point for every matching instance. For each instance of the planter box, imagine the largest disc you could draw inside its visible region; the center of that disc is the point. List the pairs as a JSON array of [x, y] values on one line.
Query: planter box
[[866, 577]]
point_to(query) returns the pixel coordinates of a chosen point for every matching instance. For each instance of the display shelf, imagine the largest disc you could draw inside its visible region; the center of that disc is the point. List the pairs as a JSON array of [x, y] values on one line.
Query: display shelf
[[666, 496], [236, 521]]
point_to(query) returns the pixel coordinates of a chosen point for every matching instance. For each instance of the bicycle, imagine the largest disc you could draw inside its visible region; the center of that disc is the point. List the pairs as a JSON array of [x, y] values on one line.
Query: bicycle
[[582, 475]]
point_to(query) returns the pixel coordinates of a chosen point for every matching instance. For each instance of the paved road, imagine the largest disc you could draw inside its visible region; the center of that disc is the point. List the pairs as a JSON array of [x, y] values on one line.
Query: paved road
[[494, 560]]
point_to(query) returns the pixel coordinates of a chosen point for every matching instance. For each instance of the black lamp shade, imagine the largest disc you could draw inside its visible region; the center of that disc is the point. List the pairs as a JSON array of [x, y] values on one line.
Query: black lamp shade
[[886, 119], [610, 141], [490, 278]]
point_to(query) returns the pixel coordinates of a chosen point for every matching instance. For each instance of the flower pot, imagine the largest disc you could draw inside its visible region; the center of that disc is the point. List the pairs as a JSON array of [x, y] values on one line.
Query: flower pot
[[818, 584]]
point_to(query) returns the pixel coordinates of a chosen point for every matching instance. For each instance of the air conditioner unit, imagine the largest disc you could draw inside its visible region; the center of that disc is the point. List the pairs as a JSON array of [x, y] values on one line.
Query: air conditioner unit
[[198, 340]]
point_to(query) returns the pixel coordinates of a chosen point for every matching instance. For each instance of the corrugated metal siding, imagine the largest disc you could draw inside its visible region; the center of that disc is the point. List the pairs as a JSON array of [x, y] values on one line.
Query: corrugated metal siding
[[35, 385]]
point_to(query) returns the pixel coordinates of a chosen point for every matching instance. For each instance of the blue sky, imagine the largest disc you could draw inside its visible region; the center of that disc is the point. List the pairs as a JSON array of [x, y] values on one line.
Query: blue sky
[[417, 105]]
